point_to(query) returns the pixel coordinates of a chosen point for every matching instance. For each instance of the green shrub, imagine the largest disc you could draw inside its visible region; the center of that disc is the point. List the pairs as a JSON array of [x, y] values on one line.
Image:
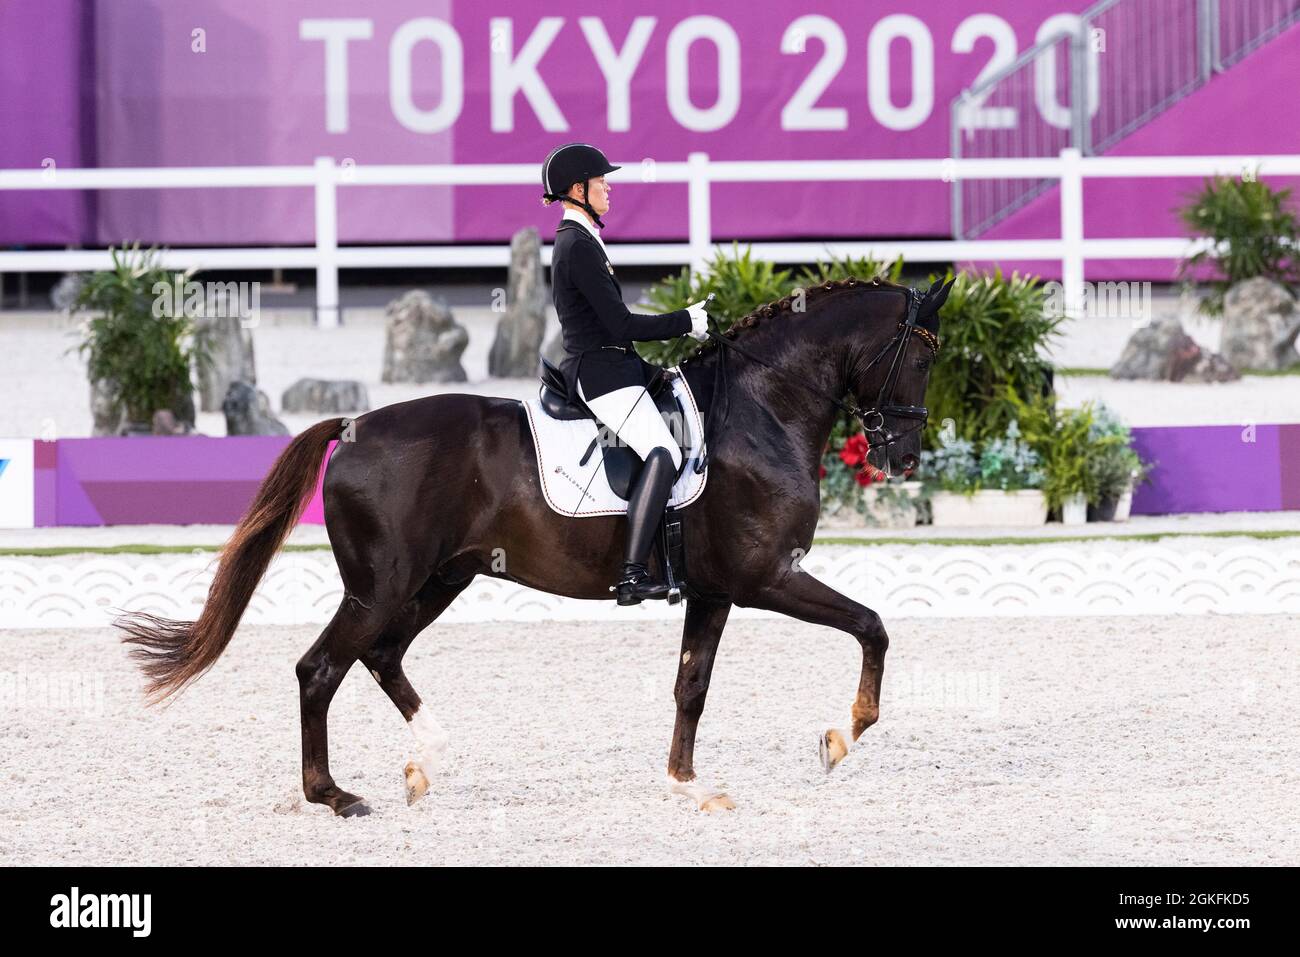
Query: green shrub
[[145, 357], [740, 284], [1253, 233], [995, 330], [1069, 445]]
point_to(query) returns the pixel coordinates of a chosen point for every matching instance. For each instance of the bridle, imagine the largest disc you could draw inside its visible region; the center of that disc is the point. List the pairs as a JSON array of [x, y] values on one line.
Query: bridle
[[873, 419], [884, 404]]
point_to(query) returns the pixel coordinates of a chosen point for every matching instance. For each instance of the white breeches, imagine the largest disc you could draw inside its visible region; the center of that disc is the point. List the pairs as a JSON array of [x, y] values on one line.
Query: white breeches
[[630, 414]]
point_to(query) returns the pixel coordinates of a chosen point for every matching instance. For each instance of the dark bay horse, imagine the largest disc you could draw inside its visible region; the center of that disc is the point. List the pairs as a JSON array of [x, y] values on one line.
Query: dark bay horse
[[422, 496]]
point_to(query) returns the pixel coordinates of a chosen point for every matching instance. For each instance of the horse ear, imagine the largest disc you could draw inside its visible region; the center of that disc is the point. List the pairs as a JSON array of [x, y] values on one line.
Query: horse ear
[[942, 295], [936, 297]]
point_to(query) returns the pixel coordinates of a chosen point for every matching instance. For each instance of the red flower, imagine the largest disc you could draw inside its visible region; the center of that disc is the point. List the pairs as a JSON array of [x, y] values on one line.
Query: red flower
[[822, 473], [854, 452], [869, 475]]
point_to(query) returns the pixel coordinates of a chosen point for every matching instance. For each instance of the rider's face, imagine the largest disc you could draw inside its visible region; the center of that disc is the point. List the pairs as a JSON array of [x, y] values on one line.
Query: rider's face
[[597, 194]]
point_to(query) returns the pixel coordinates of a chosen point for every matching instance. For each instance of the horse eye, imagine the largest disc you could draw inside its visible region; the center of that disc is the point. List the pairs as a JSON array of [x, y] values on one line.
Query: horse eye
[[922, 364]]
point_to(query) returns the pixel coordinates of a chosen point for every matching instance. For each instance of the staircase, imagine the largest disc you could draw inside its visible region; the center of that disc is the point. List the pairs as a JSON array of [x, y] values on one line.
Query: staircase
[[1127, 60]]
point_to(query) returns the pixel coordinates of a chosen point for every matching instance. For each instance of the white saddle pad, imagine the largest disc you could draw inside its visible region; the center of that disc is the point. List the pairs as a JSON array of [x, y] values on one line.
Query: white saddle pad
[[583, 491]]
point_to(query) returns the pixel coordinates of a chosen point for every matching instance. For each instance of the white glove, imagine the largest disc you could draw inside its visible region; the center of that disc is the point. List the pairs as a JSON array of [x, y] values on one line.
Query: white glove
[[699, 321]]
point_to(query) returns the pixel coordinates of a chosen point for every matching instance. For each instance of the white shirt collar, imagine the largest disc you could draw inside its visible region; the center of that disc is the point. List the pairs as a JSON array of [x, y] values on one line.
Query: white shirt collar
[[571, 213]]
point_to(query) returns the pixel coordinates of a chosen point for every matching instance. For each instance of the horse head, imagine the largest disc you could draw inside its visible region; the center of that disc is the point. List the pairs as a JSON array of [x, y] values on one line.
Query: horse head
[[890, 387]]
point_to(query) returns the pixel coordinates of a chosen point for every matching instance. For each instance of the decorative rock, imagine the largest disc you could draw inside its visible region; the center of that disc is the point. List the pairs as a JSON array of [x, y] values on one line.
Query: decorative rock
[[422, 341], [109, 418], [182, 405], [1161, 350], [1260, 325], [520, 331], [231, 348], [66, 290], [166, 423], [248, 412], [325, 395]]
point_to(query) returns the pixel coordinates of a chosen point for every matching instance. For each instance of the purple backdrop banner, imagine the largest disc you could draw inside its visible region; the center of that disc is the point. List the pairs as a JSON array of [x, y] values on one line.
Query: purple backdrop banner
[[220, 82], [46, 118], [119, 83]]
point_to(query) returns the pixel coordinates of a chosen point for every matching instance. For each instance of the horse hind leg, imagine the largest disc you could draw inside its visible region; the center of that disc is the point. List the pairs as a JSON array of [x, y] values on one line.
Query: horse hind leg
[[384, 662], [354, 628]]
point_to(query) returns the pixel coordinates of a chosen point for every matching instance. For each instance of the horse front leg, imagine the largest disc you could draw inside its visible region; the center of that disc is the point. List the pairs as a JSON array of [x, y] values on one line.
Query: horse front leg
[[802, 596], [700, 635]]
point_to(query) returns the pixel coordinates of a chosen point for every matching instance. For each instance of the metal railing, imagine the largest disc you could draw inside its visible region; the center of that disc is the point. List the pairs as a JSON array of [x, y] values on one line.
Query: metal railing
[[1092, 80], [326, 177]]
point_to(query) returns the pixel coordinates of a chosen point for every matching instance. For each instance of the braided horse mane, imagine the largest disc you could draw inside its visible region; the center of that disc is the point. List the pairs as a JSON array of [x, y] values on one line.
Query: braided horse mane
[[785, 305]]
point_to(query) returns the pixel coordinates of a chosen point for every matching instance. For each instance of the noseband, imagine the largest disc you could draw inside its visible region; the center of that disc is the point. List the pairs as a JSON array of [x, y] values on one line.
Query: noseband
[[873, 418]]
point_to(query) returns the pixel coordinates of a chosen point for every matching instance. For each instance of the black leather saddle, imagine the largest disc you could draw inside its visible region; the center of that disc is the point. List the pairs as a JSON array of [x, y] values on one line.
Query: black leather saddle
[[622, 464]]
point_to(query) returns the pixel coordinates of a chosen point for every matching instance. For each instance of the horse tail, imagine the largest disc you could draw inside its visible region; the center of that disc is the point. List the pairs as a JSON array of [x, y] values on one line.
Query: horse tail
[[173, 653]]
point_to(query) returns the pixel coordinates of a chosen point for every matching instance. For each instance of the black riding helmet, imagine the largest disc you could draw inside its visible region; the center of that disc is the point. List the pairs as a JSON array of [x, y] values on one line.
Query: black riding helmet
[[574, 163]]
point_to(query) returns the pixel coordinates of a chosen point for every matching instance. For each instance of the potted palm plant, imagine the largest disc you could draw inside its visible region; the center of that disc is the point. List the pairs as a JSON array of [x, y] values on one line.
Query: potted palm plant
[[1252, 231], [139, 353]]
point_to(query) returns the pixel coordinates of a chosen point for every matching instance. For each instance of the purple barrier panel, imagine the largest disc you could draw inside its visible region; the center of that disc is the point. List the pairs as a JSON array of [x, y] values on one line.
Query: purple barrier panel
[[314, 513], [202, 479], [180, 480], [1289, 452], [1209, 468], [45, 461]]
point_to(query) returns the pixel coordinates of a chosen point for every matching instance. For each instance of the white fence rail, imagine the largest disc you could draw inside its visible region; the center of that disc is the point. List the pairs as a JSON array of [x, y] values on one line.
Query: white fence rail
[[326, 177]]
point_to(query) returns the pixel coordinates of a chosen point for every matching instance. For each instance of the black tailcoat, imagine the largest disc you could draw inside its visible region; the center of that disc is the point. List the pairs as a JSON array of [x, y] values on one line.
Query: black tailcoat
[[589, 302]]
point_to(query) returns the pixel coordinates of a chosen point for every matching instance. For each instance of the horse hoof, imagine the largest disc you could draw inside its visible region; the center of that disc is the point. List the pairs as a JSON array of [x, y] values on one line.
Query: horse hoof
[[832, 749], [706, 799], [358, 808], [719, 802], [417, 785]]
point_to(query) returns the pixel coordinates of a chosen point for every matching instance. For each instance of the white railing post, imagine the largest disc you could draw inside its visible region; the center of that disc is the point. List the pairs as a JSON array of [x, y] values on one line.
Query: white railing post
[[327, 244], [1072, 230], [700, 224]]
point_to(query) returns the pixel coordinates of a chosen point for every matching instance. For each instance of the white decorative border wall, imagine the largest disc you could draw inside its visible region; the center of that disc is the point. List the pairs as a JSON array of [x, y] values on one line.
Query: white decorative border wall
[[1109, 578]]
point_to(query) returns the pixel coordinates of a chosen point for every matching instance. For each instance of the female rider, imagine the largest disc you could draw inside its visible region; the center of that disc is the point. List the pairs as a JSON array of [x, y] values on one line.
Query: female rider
[[601, 367]]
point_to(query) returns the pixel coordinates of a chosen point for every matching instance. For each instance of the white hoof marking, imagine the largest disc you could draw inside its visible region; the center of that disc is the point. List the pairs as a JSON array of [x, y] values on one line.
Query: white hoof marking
[[705, 798], [430, 743]]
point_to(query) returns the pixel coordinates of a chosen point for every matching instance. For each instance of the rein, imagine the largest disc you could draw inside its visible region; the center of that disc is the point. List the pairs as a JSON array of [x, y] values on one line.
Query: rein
[[883, 405]]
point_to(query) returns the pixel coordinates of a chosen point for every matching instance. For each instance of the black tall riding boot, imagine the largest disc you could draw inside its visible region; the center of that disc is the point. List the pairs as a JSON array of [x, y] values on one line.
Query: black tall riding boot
[[645, 507]]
